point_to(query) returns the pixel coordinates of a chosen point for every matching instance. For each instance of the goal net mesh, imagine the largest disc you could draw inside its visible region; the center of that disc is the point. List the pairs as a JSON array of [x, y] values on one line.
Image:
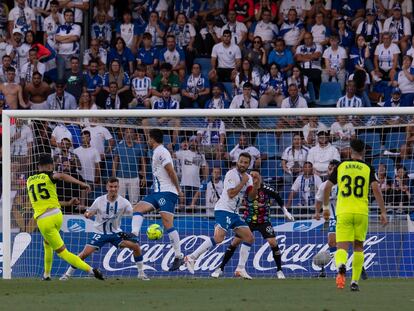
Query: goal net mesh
[[204, 149]]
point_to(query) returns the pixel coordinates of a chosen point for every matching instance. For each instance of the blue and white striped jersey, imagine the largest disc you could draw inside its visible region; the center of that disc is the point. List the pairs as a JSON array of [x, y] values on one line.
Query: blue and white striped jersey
[[141, 86], [108, 214]]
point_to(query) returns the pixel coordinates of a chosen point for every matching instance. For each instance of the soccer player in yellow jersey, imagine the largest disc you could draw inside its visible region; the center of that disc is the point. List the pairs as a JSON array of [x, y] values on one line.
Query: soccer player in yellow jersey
[[43, 197], [354, 178]]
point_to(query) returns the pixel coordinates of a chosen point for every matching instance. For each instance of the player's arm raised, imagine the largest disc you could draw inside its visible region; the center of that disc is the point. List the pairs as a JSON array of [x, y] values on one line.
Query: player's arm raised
[[274, 194], [380, 200], [70, 179], [235, 191]]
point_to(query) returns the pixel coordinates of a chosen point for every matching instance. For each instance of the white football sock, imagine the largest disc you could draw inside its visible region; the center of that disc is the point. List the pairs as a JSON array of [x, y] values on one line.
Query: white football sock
[[137, 220], [70, 271], [244, 255], [202, 248], [175, 242]]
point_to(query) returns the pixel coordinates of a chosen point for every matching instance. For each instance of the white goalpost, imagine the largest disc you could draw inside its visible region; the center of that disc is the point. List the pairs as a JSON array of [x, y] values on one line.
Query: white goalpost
[[204, 142]]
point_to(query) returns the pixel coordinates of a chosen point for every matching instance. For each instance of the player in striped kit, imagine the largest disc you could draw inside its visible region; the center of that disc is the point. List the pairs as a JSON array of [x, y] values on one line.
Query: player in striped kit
[[141, 88], [108, 210], [329, 214], [257, 216]]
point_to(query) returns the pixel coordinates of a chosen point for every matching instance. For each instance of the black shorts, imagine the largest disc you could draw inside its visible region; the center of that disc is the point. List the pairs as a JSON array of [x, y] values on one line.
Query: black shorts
[[265, 229]]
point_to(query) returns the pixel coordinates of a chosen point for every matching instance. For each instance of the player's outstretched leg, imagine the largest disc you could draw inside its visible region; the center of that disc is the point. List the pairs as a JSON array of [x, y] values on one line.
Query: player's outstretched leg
[[246, 235], [78, 263], [48, 261], [227, 256], [219, 235], [85, 253]]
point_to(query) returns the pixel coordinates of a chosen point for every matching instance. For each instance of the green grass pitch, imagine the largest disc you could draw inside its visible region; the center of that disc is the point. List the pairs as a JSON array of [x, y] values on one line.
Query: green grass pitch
[[205, 294]]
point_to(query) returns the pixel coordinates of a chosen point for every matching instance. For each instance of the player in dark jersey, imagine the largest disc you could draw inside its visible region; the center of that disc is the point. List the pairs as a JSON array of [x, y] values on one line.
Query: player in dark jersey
[[257, 216]]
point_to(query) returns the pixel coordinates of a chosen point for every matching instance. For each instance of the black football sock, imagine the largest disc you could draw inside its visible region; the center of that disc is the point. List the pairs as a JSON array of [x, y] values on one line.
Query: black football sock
[[277, 257], [227, 256]]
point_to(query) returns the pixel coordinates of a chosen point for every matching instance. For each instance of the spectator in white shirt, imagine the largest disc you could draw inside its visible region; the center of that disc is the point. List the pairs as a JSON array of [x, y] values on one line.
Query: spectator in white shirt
[[21, 140], [21, 17], [238, 30], [265, 29], [292, 30], [404, 80], [307, 185], [225, 59], [342, 132], [322, 154], [67, 42], [293, 158], [245, 100], [211, 138], [386, 59], [190, 163], [78, 7], [334, 57], [399, 28], [245, 146], [406, 7], [308, 55], [319, 31], [59, 133], [89, 158], [51, 24], [213, 189], [287, 5], [350, 100], [294, 100], [311, 129], [61, 100], [33, 65]]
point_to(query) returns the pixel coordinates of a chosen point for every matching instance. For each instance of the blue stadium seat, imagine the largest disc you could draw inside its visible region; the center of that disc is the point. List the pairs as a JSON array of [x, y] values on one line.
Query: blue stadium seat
[[329, 94], [228, 88], [409, 165], [269, 170], [373, 140], [393, 141], [232, 140], [388, 162], [285, 140], [267, 144], [205, 65], [311, 90], [268, 122]]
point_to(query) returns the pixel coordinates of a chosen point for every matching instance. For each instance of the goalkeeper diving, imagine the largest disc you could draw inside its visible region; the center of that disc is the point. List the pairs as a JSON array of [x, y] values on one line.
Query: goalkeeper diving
[[43, 197]]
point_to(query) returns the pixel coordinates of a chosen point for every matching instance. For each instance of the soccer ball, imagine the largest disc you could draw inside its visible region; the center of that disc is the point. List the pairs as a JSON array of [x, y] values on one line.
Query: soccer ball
[[155, 232], [322, 259]]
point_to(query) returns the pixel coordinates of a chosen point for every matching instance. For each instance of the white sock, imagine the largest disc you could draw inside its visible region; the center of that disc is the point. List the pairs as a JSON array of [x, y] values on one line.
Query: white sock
[[203, 248], [137, 219], [140, 267], [46, 275], [70, 271], [244, 255], [175, 242]]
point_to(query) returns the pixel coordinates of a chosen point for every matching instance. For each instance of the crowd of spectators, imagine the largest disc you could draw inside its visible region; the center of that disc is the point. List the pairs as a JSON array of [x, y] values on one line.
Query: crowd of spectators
[[211, 54]]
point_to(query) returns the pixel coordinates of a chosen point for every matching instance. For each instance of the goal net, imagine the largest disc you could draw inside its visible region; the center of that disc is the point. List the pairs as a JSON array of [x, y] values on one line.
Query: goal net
[[292, 149]]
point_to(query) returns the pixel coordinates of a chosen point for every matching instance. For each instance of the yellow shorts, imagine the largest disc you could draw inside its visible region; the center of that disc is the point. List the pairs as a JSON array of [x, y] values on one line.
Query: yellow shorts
[[49, 228], [351, 227]]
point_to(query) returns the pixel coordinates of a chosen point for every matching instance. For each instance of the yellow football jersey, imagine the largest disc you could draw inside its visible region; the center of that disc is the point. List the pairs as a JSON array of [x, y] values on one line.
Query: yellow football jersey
[[42, 193], [354, 180]]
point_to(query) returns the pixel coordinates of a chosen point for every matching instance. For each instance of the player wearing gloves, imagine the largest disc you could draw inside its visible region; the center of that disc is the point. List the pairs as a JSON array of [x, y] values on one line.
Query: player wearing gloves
[[257, 216]]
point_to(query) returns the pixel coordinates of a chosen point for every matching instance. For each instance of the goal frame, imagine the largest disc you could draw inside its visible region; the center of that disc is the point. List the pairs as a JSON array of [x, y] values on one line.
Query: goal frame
[[7, 115]]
